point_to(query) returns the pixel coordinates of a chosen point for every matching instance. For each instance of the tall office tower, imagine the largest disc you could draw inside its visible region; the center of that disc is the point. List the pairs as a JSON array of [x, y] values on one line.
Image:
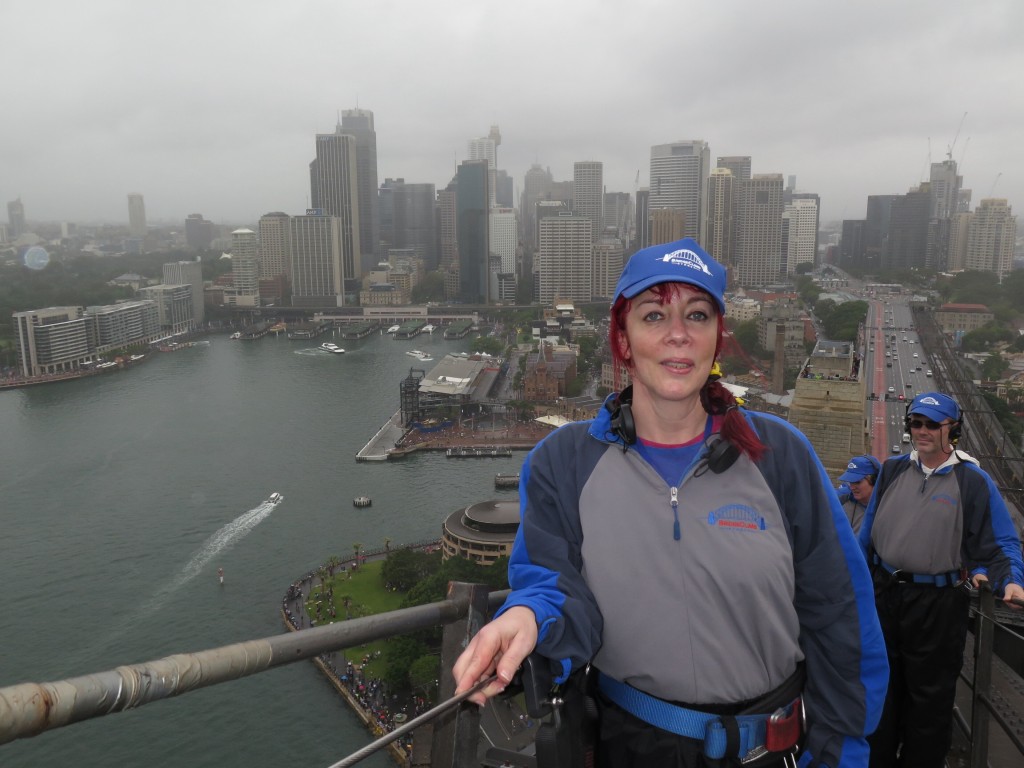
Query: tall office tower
[[679, 179], [607, 266], [667, 225], [333, 181], [876, 231], [188, 273], [408, 219], [643, 218], [504, 189], [738, 164], [447, 239], [802, 214], [545, 208], [851, 246], [198, 232], [906, 246], [359, 124], [275, 245], [536, 187], [991, 237], [318, 261], [944, 186], [472, 206], [959, 227], [721, 226], [618, 214], [245, 268], [588, 194], [504, 242], [759, 251], [136, 215], [486, 148], [564, 260], [16, 226]]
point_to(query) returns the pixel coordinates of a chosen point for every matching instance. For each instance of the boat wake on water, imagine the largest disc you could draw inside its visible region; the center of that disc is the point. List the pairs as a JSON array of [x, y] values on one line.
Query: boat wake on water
[[223, 539]]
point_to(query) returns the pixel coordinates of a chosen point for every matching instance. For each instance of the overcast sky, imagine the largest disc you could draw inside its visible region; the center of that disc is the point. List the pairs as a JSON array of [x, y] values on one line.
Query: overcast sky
[[211, 107]]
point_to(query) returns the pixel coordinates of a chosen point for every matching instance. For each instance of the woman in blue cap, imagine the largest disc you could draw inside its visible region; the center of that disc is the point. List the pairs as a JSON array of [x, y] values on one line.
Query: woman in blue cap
[[694, 553], [936, 519], [858, 483]]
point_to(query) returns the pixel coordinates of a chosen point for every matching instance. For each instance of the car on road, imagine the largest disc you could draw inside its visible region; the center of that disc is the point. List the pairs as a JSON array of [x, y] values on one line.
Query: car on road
[[892, 389], [895, 449]]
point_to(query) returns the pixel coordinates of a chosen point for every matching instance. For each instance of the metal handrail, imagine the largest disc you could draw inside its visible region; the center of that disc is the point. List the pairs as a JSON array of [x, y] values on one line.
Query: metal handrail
[[28, 709]]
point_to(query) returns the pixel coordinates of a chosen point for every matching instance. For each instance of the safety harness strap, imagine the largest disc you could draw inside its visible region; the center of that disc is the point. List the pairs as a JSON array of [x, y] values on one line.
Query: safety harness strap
[[743, 736], [947, 579]]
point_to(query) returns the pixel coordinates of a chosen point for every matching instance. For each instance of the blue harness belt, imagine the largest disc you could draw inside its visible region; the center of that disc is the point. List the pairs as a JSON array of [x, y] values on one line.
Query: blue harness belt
[[947, 579], [758, 734]]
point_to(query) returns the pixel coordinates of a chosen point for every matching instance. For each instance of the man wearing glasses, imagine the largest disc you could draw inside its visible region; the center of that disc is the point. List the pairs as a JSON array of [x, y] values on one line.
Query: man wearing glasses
[[935, 522], [858, 482]]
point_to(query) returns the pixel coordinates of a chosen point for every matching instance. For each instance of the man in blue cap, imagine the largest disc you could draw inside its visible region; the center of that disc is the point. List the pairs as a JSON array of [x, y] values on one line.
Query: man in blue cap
[[935, 521], [858, 483]]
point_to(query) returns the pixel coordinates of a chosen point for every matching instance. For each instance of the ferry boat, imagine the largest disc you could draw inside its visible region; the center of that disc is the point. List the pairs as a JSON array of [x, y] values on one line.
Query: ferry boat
[[419, 355], [329, 347], [236, 335], [393, 328], [275, 498], [428, 328]]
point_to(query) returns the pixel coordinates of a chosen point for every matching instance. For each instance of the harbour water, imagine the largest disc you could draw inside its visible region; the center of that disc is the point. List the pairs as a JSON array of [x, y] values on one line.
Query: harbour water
[[121, 495]]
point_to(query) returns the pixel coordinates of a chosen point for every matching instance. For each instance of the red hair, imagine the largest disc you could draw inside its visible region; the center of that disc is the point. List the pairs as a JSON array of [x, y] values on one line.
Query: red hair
[[715, 397]]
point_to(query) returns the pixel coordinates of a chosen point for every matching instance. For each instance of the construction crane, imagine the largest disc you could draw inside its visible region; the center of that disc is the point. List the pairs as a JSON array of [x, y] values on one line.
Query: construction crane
[[949, 151], [993, 190]]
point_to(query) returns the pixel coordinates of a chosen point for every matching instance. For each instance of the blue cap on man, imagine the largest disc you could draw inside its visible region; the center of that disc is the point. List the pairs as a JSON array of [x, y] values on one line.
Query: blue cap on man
[[683, 261], [935, 406], [859, 468]]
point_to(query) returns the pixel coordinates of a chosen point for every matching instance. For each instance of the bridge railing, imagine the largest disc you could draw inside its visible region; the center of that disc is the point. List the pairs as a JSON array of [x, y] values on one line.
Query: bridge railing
[[28, 709]]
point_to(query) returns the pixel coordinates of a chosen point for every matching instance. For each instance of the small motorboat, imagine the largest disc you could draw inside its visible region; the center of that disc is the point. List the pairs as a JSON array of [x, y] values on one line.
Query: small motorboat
[[275, 498], [334, 348]]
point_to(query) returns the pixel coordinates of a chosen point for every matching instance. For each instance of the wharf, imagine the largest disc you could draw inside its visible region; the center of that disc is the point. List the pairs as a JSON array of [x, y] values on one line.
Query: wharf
[[382, 444], [359, 331], [469, 452], [459, 329]]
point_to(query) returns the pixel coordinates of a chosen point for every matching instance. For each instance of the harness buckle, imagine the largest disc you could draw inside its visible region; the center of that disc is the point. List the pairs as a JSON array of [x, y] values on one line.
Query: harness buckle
[[784, 726], [754, 754]]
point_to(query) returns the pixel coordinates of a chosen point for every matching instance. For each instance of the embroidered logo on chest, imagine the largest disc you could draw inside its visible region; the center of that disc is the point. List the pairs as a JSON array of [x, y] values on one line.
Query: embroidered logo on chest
[[737, 516]]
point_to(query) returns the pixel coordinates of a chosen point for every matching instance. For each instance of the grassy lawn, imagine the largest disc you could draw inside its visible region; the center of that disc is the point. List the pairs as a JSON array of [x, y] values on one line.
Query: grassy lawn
[[367, 595]]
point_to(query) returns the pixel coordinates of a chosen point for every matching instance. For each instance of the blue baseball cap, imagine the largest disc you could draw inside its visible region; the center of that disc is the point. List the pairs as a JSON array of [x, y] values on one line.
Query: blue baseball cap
[[680, 262], [935, 406], [859, 468]]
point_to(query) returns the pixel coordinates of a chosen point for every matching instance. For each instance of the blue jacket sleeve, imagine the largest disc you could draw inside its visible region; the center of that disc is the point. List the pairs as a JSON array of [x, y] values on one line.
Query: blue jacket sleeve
[[847, 666], [545, 564], [991, 544]]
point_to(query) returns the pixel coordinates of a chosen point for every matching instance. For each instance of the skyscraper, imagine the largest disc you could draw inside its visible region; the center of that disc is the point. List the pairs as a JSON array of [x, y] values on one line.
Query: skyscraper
[[991, 236], [136, 215], [721, 225], [408, 219], [317, 261], [245, 269], [588, 194], [333, 182], [906, 246], [759, 251], [679, 179], [275, 245], [188, 273], [472, 207], [564, 262], [359, 124], [802, 232], [486, 148], [16, 219], [198, 232], [536, 187]]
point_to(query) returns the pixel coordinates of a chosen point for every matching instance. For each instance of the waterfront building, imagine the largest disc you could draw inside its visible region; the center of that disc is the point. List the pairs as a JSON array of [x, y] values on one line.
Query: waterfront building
[[588, 194], [472, 209], [117, 326], [318, 268], [481, 532], [358, 123], [245, 270], [564, 262], [679, 179], [408, 215], [447, 237], [991, 236], [16, 226], [274, 245], [188, 273], [52, 340], [504, 244], [335, 192], [173, 305], [136, 215]]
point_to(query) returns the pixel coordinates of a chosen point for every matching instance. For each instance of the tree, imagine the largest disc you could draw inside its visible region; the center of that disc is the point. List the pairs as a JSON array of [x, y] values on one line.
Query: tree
[[430, 288], [332, 564], [994, 367], [423, 675]]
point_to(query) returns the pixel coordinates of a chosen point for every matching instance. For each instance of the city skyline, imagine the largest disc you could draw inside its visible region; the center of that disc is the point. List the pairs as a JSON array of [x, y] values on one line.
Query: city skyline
[[847, 99]]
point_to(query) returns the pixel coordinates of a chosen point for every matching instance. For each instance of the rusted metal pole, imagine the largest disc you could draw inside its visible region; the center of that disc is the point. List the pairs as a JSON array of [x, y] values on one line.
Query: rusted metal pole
[[28, 709]]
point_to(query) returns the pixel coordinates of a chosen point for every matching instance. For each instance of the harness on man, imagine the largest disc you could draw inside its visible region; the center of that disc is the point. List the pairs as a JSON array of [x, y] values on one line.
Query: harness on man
[[899, 576]]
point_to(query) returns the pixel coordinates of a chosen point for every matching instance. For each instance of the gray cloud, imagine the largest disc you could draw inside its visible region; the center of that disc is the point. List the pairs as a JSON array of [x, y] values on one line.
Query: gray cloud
[[212, 107]]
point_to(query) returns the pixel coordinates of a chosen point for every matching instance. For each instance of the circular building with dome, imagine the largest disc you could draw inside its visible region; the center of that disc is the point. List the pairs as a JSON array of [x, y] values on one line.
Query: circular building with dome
[[481, 532]]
